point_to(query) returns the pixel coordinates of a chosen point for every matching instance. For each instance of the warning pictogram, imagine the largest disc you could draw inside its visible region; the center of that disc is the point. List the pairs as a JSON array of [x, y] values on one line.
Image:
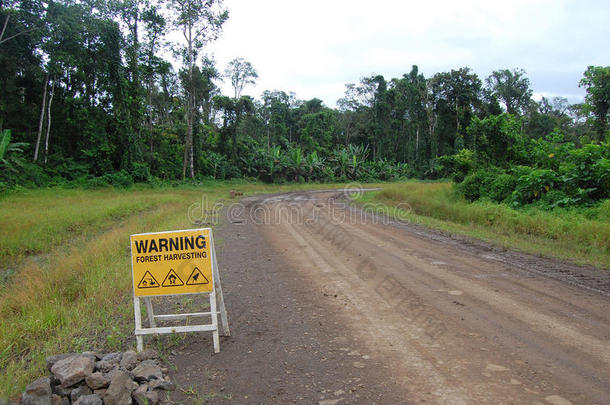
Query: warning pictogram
[[172, 280], [197, 278], [148, 281]]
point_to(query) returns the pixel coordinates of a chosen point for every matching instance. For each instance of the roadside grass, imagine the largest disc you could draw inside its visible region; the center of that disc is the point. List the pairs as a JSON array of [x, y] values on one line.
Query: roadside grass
[[79, 300], [79, 297], [36, 220], [581, 236]]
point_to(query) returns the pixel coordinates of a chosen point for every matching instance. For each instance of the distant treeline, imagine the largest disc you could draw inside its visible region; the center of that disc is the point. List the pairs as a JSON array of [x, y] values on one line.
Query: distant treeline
[[87, 98]]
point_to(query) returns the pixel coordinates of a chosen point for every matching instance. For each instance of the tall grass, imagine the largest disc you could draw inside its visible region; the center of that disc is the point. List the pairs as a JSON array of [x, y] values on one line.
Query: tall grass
[[32, 222], [77, 299], [578, 235]]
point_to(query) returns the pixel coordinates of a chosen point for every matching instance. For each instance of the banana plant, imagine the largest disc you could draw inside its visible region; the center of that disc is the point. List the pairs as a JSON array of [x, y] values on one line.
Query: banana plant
[[273, 163], [341, 158], [9, 150], [358, 154], [296, 161], [314, 164]]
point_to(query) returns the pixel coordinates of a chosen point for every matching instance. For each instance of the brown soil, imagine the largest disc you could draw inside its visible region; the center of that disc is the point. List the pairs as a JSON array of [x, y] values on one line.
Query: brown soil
[[346, 309]]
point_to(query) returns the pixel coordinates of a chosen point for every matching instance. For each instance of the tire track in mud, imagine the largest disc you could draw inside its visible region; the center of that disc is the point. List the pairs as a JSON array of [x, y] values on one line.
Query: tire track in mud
[[511, 336]]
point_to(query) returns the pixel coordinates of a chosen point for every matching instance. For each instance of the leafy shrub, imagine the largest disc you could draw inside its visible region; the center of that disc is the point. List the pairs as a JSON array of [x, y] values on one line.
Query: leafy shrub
[[66, 167], [532, 186], [455, 166], [601, 173], [119, 179], [554, 199], [501, 188], [519, 171], [140, 172], [215, 165], [471, 187]]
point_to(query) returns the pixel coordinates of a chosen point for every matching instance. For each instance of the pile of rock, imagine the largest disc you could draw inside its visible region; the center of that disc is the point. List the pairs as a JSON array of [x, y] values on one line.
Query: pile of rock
[[93, 379]]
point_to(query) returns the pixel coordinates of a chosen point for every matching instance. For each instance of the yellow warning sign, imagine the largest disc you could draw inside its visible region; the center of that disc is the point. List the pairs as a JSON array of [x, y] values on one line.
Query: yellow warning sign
[[170, 263]]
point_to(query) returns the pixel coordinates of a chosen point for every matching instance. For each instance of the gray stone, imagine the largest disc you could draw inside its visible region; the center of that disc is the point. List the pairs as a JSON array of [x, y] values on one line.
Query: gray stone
[[59, 400], [61, 391], [120, 389], [161, 384], [101, 392], [89, 400], [129, 360], [146, 371], [112, 357], [73, 370], [54, 381], [95, 355], [106, 366], [141, 389], [139, 395], [79, 392], [38, 393], [97, 380], [112, 372], [51, 360], [146, 398], [153, 397], [148, 354]]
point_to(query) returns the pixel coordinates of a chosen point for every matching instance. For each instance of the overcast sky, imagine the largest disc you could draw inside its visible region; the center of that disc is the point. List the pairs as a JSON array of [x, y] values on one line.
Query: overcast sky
[[315, 47]]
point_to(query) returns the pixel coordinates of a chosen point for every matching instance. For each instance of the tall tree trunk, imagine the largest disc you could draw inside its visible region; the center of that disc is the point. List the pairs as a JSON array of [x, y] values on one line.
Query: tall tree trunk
[[457, 118], [41, 121], [188, 144], [417, 143], [46, 142], [149, 120], [432, 120], [188, 137], [191, 158]]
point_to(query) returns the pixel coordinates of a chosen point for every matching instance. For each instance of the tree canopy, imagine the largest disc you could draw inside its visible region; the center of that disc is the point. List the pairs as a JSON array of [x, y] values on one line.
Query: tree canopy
[[89, 93]]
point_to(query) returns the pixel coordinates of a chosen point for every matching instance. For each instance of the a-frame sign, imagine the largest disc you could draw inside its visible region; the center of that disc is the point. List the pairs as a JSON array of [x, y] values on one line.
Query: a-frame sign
[[174, 263]]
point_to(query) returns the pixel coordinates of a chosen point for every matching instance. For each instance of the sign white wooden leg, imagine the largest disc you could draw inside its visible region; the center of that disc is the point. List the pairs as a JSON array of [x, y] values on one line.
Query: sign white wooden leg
[[150, 312], [221, 300], [214, 315], [223, 311], [138, 319]]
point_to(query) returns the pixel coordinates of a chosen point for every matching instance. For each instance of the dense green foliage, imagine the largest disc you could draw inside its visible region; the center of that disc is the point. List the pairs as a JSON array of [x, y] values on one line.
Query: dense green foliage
[[87, 99], [550, 172]]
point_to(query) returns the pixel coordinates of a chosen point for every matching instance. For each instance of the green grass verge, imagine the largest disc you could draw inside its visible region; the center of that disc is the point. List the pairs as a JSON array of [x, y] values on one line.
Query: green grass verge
[[581, 236]]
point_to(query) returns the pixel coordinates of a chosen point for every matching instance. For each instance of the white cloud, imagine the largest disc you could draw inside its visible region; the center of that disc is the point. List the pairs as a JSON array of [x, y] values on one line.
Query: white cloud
[[315, 47]]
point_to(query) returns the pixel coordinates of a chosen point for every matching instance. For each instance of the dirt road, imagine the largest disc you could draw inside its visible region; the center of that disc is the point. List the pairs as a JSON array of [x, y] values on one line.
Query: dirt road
[[332, 306]]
